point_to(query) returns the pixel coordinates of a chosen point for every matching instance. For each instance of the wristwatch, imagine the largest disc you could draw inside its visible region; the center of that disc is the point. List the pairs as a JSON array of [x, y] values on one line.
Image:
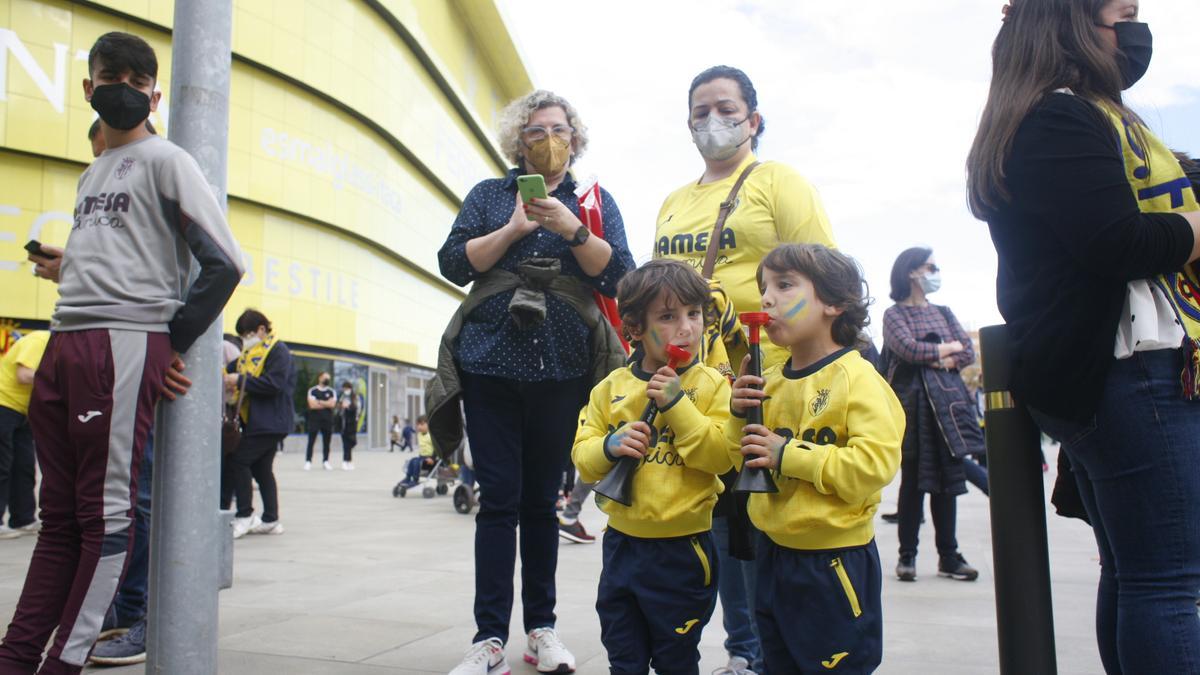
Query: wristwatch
[[581, 236]]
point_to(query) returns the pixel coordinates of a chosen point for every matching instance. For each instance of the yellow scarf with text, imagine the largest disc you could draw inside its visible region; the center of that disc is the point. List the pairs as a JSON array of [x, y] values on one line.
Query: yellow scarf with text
[[1160, 185]]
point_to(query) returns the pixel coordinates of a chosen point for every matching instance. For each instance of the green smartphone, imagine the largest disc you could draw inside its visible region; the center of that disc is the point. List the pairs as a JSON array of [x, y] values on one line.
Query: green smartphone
[[532, 185]]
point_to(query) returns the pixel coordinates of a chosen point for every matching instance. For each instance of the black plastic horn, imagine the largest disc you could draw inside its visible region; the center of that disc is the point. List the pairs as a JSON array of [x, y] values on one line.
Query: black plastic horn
[[755, 479], [617, 484]]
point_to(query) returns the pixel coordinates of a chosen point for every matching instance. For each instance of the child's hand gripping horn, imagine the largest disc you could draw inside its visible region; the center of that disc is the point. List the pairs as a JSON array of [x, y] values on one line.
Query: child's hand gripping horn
[[617, 485], [755, 479]]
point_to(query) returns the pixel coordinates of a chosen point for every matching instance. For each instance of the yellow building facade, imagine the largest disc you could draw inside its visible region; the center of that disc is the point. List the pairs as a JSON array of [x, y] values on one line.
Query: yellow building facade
[[356, 129]]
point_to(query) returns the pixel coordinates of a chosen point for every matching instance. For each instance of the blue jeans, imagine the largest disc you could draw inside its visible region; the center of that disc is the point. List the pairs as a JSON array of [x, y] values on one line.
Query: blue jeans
[[131, 596], [1137, 464], [976, 474], [736, 585]]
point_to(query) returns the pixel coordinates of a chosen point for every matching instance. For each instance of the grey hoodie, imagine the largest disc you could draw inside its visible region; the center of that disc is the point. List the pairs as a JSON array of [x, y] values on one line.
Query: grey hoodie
[[142, 211]]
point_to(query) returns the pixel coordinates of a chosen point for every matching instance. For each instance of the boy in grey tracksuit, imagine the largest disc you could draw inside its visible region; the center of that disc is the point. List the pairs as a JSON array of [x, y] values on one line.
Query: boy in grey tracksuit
[[126, 311]]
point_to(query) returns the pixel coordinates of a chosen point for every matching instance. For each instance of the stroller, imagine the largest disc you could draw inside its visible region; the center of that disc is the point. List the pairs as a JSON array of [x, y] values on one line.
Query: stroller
[[438, 478], [435, 479]]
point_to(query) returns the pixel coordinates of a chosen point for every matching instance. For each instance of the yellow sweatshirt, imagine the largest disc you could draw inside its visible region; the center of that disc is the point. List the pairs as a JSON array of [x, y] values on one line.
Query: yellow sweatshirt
[[775, 205], [425, 444], [676, 485], [844, 426]]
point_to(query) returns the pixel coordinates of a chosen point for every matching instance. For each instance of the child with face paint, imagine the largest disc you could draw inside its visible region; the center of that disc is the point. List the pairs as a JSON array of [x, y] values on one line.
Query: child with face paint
[[658, 586], [831, 435]]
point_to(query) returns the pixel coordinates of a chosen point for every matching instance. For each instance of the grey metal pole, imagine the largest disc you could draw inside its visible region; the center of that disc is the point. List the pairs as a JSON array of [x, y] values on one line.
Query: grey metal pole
[[186, 528], [1020, 552]]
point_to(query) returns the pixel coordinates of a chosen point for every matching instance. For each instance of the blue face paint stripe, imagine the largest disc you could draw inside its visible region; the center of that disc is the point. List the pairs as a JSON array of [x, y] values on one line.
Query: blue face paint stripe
[[654, 336], [793, 311]]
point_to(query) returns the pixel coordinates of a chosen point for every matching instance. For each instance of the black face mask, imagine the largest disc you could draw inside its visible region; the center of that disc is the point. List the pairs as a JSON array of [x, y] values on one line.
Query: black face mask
[[1137, 46], [120, 105]]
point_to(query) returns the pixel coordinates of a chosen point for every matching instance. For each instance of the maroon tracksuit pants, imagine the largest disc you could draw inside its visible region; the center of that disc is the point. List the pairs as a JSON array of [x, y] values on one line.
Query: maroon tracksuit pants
[[92, 407]]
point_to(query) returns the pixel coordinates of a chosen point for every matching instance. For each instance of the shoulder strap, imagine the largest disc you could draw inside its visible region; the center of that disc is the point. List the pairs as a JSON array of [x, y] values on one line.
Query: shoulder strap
[[710, 257], [945, 311]]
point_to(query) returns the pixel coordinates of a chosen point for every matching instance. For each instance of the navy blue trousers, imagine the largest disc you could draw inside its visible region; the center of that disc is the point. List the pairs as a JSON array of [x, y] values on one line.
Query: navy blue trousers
[[521, 435], [819, 611], [655, 598]]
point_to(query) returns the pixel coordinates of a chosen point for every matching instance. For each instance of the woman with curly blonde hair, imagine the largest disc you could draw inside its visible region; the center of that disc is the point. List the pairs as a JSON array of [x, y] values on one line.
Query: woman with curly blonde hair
[[523, 380]]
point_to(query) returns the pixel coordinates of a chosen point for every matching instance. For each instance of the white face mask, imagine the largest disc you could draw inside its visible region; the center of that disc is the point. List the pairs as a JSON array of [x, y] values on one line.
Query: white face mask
[[718, 138], [249, 341], [930, 282]]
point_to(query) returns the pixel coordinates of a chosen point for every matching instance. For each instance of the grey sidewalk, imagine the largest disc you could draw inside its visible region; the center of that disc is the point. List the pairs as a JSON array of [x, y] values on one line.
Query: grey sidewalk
[[364, 583]]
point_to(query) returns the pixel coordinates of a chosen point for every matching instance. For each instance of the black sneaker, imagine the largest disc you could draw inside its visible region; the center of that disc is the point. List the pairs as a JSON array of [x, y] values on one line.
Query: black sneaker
[[956, 567], [906, 569], [894, 518], [575, 532]]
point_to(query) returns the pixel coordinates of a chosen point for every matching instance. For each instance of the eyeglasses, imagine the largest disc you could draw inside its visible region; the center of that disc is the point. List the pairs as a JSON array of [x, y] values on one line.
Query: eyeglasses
[[932, 268], [539, 133]]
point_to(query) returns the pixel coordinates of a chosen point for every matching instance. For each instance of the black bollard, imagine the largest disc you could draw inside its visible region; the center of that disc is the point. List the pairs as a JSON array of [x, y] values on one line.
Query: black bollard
[[1020, 552]]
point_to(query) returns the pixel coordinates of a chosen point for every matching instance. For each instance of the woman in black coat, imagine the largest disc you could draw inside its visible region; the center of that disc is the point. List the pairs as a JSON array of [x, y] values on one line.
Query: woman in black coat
[[919, 335]]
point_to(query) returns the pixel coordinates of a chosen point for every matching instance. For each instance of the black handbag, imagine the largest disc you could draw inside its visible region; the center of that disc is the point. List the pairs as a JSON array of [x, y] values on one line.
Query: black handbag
[[231, 422]]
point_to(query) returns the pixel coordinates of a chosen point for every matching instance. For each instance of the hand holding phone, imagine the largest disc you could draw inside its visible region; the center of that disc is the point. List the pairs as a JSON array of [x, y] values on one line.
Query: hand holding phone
[[531, 186], [47, 259], [34, 247]]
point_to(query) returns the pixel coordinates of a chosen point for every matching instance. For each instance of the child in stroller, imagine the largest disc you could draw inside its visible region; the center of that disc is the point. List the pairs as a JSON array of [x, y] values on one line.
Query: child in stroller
[[424, 461]]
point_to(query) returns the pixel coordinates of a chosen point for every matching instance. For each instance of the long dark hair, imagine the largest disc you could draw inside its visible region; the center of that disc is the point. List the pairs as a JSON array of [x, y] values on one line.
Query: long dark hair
[[745, 86], [909, 260], [1042, 46]]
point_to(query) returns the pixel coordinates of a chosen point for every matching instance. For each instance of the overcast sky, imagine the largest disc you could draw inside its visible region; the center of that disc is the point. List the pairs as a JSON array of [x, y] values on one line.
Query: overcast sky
[[874, 102]]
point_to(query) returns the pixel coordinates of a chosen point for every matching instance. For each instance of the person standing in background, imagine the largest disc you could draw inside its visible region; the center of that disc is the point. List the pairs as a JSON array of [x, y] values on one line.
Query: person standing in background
[[349, 405], [17, 463], [264, 371], [321, 402], [774, 205]]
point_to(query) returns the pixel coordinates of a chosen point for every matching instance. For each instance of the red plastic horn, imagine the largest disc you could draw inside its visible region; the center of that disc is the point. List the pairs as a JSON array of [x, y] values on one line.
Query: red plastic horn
[[676, 356], [617, 485], [755, 479], [755, 320]]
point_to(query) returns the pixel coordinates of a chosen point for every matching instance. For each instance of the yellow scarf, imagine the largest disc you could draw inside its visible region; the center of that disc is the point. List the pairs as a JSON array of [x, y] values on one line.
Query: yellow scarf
[[1160, 185], [250, 364]]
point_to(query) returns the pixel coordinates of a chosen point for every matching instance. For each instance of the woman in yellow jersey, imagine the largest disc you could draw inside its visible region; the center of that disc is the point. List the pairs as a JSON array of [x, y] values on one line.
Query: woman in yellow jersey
[[774, 205], [1097, 230]]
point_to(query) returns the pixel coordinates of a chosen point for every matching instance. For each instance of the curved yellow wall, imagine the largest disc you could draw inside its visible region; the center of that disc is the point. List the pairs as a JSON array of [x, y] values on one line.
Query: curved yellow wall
[[356, 128]]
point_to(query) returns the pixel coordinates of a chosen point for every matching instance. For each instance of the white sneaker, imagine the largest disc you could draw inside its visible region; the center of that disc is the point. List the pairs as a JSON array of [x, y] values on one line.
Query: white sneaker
[[347, 466], [7, 532], [308, 466], [327, 466], [547, 652], [736, 666], [275, 527], [243, 525], [483, 658]]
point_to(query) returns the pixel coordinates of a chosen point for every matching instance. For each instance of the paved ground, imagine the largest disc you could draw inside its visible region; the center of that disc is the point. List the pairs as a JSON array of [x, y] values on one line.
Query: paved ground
[[364, 583]]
